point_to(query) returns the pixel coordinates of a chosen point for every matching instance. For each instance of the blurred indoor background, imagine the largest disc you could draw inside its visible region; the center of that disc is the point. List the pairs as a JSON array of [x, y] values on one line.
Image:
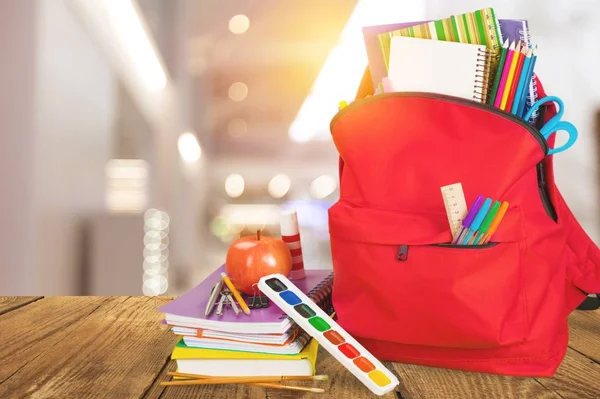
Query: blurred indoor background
[[140, 138]]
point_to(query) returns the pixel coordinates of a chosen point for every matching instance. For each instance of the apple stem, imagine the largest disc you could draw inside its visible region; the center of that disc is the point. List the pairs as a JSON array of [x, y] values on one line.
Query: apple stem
[[257, 235]]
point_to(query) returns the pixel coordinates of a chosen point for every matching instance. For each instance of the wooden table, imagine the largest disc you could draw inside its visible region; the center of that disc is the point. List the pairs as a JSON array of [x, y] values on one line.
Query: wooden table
[[88, 347]]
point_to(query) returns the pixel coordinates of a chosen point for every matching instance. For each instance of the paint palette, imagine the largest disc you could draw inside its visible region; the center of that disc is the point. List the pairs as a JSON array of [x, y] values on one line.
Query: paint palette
[[328, 333]]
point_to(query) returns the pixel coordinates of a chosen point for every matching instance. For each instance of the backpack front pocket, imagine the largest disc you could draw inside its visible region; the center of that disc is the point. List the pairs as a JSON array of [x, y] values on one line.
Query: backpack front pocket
[[413, 292]]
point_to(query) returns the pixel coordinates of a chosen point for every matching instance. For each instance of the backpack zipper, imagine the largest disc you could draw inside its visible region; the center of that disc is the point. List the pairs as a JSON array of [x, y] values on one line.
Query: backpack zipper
[[402, 255], [541, 175], [458, 100], [544, 195]]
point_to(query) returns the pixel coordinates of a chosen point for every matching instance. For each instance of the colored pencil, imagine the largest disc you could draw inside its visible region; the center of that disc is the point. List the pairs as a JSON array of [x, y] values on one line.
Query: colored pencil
[[525, 107], [193, 377], [516, 78], [502, 85], [498, 73], [523, 83], [240, 380], [511, 75], [235, 293], [523, 100]]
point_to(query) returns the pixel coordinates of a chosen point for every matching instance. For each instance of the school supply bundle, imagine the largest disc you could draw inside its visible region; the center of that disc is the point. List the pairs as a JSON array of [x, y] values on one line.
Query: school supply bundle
[[188, 310], [483, 283], [218, 340]]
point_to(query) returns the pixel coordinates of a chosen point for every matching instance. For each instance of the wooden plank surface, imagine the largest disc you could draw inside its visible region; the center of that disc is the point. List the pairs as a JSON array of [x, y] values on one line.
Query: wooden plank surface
[[30, 331], [577, 377], [111, 345], [73, 347], [8, 303], [435, 383], [584, 333]]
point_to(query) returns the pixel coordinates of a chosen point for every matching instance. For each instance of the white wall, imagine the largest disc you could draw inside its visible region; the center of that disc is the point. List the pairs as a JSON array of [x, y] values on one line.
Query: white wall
[[566, 33], [17, 44], [56, 108], [75, 97]]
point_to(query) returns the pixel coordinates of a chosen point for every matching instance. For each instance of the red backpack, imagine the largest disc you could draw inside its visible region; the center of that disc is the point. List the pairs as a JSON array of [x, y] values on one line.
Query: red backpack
[[401, 289]]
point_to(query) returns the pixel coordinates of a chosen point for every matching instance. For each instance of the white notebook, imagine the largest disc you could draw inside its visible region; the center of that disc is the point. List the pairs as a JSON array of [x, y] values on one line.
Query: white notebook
[[433, 66]]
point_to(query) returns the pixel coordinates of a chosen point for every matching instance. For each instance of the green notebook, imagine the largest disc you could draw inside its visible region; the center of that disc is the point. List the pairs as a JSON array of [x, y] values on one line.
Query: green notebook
[[478, 27]]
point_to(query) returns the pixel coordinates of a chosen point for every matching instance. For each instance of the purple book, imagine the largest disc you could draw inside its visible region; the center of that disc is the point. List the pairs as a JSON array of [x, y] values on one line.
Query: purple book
[[188, 309]]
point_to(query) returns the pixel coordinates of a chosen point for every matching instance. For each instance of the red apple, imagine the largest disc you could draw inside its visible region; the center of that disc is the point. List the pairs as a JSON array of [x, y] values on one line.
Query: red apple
[[252, 257]]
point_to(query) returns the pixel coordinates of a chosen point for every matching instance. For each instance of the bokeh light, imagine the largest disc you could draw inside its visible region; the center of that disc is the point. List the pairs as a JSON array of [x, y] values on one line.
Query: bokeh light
[[234, 185]]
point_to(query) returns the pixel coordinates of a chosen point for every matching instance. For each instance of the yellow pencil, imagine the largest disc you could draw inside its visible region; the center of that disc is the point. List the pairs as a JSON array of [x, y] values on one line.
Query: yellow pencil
[[235, 293], [511, 75]]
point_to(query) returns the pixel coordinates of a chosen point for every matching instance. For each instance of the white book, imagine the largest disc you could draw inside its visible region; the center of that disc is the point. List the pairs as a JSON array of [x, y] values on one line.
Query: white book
[[244, 367], [434, 66], [275, 339], [291, 348]]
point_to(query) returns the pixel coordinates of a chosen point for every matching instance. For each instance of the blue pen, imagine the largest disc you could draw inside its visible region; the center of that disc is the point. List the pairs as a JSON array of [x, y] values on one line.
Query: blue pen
[[523, 83], [469, 218], [478, 219]]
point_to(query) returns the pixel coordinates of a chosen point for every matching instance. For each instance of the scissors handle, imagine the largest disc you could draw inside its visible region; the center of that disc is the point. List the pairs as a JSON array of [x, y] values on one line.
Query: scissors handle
[[567, 127], [539, 103]]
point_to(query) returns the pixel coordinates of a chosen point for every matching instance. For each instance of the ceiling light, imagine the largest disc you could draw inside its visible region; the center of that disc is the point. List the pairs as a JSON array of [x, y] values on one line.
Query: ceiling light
[[323, 186], [189, 148], [234, 185], [239, 24], [127, 23], [279, 186], [238, 91]]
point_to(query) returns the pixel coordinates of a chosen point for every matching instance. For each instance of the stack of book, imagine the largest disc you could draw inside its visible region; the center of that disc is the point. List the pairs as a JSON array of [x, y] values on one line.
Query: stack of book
[[266, 342]]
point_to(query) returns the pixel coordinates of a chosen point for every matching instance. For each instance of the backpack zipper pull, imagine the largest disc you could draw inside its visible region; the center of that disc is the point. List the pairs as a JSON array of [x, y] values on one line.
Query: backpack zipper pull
[[402, 253]]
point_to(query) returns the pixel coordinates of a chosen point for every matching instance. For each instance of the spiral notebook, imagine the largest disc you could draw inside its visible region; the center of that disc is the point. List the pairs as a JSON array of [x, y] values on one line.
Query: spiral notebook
[[432, 66], [188, 309], [477, 27]]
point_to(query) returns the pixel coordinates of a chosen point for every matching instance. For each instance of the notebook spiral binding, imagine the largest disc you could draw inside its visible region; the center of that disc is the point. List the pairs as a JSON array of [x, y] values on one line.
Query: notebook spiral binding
[[532, 97], [482, 76], [321, 295]]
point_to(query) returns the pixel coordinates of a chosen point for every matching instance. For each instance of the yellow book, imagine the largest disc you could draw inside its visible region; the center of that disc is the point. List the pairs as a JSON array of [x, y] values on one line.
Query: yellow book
[[215, 362]]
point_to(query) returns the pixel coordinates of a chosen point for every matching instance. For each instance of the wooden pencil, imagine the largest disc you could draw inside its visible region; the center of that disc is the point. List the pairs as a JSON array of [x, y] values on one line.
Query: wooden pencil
[[268, 385], [287, 378], [241, 380], [496, 83], [504, 75], [516, 78], [511, 73]]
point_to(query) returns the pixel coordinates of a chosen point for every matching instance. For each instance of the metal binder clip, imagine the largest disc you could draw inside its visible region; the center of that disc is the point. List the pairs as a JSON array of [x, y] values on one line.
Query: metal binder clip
[[258, 300]]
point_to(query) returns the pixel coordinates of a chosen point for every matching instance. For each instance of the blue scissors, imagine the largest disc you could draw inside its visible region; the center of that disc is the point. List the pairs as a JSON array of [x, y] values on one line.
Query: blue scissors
[[555, 124]]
